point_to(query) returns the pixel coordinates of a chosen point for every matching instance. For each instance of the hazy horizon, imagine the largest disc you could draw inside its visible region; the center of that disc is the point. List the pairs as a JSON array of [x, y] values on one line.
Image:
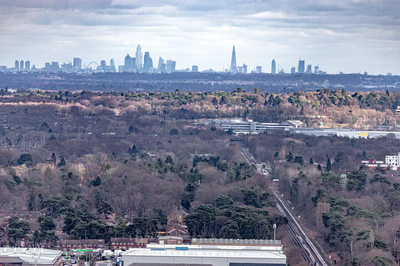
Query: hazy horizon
[[349, 36]]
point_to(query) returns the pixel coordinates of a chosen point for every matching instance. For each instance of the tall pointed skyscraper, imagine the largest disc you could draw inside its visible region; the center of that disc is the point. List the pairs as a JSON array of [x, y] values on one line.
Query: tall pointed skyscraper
[[273, 67], [233, 61], [138, 57]]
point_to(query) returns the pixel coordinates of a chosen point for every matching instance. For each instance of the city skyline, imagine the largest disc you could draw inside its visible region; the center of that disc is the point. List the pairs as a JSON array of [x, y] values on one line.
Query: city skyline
[[145, 65], [348, 36]]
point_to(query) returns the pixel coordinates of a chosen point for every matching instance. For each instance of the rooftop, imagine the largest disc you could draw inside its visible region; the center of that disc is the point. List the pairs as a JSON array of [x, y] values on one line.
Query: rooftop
[[34, 256], [234, 242], [205, 253]]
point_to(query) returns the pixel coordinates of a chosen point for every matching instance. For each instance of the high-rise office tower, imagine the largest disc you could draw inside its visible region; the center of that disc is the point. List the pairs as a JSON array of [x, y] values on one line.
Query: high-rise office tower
[[171, 66], [16, 64], [21, 65], [233, 61], [77, 63], [112, 66], [160, 64], [103, 65], [54, 67], [273, 67], [128, 63], [259, 69], [138, 57], [292, 70], [301, 66], [133, 63], [244, 68], [147, 63], [309, 69], [316, 70], [195, 69], [28, 65]]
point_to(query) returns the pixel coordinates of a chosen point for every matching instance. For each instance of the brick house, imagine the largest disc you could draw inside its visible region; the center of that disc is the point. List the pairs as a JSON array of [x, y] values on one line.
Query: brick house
[[127, 243]]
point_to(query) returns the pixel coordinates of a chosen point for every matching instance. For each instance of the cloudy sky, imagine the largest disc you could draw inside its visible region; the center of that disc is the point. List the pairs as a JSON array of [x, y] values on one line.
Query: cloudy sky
[[338, 35]]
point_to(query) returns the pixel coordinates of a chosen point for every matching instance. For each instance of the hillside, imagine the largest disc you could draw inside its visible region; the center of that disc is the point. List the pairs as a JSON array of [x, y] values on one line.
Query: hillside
[[100, 165]]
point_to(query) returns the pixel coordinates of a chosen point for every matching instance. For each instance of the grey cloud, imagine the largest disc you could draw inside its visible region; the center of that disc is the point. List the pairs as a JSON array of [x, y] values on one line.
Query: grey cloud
[[57, 4], [172, 23]]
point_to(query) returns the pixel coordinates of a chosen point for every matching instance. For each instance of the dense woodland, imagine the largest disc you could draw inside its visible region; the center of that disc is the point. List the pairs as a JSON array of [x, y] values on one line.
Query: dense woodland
[[100, 165], [363, 224]]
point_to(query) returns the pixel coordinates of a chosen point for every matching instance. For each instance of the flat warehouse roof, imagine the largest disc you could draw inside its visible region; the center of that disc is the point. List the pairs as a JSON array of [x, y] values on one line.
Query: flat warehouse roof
[[34, 256], [201, 253]]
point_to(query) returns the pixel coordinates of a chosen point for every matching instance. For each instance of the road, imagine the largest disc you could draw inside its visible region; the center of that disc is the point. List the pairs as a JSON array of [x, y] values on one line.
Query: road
[[296, 234]]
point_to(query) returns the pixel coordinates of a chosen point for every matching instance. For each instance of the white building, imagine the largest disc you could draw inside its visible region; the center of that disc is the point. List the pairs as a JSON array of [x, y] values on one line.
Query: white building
[[216, 252], [142, 257], [392, 161], [29, 257]]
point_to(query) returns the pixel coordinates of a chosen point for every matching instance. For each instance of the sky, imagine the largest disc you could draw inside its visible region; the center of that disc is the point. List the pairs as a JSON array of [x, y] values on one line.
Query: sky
[[352, 36]]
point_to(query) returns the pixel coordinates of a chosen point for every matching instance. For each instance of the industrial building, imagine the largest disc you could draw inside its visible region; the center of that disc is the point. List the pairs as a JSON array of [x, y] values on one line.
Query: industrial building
[[346, 132], [216, 252], [250, 127], [28, 257]]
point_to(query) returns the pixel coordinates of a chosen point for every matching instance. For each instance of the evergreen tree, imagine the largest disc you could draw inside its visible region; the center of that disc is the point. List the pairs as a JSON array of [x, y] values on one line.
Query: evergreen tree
[[289, 157], [215, 101], [62, 162], [328, 165], [169, 160], [53, 158]]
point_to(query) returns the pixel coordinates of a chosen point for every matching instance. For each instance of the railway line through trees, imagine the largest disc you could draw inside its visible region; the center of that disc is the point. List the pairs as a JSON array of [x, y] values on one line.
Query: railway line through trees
[[297, 235]]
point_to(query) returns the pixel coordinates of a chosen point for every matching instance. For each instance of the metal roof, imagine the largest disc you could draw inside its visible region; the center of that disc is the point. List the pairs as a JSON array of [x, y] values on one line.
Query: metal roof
[[30, 255], [235, 242], [201, 253]]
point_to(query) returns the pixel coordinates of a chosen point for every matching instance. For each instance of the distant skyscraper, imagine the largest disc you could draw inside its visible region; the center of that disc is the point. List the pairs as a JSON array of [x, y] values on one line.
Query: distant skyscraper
[[128, 63], [259, 69], [148, 62], [171, 66], [244, 68], [54, 67], [273, 67], [103, 65], [47, 66], [112, 65], [28, 65], [77, 63], [301, 66], [292, 70], [195, 69], [233, 61], [309, 69], [138, 57], [21, 65], [16, 64], [133, 63], [160, 64], [316, 70]]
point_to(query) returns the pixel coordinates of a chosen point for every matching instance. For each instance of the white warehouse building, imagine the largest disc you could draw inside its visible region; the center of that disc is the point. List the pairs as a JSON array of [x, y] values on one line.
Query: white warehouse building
[[147, 257], [209, 252]]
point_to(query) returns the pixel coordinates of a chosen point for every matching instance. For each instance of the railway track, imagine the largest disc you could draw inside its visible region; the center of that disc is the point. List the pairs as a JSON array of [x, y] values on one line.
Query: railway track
[[296, 234]]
